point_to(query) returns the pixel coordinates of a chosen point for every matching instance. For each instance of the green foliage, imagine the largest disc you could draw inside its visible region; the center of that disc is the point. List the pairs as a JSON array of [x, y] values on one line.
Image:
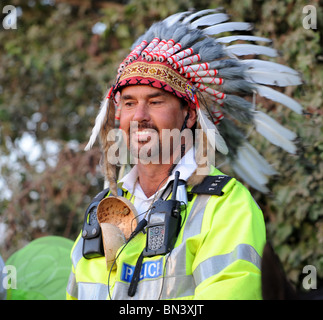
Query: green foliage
[[54, 71]]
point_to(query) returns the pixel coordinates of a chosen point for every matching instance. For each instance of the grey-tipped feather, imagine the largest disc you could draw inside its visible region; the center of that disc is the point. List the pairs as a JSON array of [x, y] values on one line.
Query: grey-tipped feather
[[232, 135], [227, 26], [239, 108], [279, 97], [268, 65], [175, 32], [211, 52], [248, 177], [258, 159], [273, 78], [190, 38], [226, 63], [275, 132], [205, 42], [211, 19], [212, 132], [246, 49], [200, 13], [237, 86], [229, 39], [248, 163], [232, 73], [179, 33]]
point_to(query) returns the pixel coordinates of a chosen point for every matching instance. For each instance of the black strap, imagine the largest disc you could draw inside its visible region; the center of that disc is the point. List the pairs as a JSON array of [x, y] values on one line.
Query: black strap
[[136, 275], [91, 228], [101, 195]]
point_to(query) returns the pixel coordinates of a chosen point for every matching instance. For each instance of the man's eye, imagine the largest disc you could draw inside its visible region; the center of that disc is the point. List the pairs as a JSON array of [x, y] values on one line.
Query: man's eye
[[156, 102]]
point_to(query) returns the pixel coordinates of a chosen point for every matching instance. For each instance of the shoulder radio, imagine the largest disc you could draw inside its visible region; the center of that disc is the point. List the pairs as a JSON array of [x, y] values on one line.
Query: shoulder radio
[[163, 224]]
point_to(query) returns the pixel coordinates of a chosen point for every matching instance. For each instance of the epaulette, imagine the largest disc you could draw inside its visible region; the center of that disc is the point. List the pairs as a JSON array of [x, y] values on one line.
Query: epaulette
[[212, 185]]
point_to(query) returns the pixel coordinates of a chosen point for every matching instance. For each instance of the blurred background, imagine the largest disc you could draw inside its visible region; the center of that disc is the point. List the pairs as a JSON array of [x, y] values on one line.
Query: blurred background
[[54, 69]]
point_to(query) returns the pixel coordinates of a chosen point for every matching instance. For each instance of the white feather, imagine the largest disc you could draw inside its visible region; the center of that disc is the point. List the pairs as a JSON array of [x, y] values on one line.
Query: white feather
[[248, 176], [250, 166], [273, 77], [268, 65], [213, 135], [256, 159], [279, 97], [274, 132], [227, 26], [246, 49], [229, 39], [211, 19], [99, 121]]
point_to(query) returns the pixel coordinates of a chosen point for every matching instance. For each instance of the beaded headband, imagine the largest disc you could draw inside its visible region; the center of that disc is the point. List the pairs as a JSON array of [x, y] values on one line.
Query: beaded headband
[[158, 75]]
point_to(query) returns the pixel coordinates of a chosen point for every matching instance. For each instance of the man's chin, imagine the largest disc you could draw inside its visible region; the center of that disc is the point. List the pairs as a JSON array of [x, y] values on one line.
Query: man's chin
[[145, 152]]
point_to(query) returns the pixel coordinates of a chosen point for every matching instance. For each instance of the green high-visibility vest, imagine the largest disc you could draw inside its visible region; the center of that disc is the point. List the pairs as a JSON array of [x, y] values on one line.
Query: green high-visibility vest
[[217, 255]]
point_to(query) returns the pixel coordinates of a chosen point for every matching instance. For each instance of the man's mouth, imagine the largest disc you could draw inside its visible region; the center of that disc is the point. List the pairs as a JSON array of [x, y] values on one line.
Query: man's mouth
[[143, 136]]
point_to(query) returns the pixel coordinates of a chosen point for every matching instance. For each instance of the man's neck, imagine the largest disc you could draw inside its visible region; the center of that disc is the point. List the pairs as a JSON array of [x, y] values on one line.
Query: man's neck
[[152, 177]]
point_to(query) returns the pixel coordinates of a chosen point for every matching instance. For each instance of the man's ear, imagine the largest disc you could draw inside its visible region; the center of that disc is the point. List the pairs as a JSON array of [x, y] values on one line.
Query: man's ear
[[192, 117]]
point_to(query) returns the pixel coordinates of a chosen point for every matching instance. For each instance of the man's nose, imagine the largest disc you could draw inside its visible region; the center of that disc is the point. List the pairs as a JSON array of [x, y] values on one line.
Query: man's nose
[[141, 112]]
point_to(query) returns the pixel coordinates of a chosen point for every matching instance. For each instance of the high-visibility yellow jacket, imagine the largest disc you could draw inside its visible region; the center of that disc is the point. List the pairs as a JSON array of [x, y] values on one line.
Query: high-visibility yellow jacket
[[217, 255]]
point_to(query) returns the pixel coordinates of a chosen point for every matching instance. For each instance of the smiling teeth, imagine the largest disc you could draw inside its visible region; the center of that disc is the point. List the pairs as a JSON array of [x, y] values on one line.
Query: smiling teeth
[[142, 132]]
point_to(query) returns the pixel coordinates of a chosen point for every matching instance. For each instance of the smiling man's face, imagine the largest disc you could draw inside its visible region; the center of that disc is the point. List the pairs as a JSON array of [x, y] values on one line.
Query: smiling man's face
[[145, 113]]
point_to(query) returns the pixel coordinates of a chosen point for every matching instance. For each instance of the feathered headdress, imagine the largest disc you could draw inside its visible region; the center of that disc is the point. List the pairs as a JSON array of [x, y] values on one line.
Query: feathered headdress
[[184, 55]]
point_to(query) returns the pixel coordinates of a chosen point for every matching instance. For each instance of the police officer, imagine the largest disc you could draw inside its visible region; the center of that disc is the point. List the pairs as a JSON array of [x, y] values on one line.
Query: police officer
[[202, 233]]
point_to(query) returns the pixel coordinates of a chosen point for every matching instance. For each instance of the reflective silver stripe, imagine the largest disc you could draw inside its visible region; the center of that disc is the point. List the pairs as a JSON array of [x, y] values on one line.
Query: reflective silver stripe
[[217, 263], [146, 290], [176, 261], [77, 252], [92, 291], [71, 288], [193, 224], [178, 287], [163, 288]]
